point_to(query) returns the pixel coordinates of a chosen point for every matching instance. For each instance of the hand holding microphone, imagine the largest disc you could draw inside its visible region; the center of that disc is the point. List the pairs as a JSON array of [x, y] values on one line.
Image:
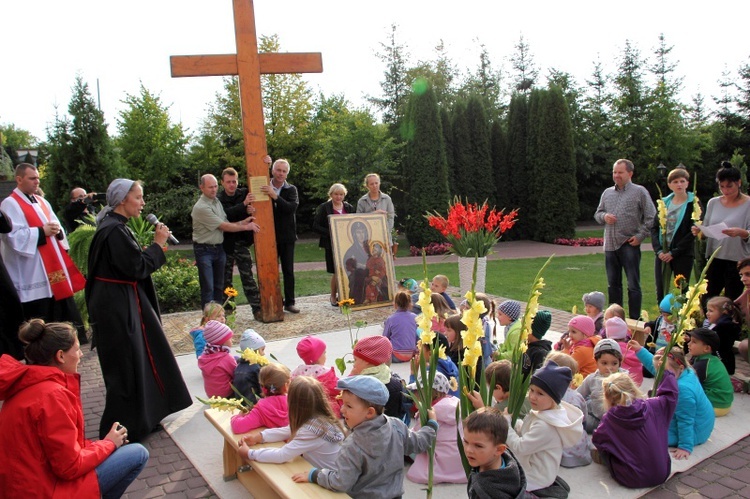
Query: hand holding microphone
[[151, 218]]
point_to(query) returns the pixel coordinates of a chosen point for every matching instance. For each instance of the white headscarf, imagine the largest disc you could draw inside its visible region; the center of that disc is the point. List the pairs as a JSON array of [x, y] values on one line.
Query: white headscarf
[[116, 193]]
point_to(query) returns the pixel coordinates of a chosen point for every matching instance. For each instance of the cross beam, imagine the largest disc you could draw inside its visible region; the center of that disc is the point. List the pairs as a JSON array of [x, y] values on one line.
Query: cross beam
[[248, 65]]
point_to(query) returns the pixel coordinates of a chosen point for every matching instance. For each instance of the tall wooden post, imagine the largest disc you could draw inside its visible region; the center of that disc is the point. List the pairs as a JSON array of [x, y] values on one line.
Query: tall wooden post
[[248, 64]]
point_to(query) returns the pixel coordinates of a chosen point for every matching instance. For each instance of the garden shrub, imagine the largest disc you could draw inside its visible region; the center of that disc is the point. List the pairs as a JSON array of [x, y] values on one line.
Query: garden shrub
[[177, 285]]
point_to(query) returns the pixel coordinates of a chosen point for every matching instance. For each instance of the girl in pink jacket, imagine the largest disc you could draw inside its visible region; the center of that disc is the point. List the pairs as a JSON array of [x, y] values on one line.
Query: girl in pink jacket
[[272, 411], [617, 329]]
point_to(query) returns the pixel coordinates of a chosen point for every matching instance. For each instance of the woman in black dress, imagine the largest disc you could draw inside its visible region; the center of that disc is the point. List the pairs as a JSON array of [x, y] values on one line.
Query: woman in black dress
[[143, 382], [334, 206]]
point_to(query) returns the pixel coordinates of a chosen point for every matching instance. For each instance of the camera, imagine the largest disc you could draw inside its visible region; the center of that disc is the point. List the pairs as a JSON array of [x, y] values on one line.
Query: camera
[[99, 197]]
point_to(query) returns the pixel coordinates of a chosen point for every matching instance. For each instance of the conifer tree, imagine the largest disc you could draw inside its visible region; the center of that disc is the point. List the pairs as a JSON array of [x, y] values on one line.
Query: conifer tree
[[445, 121], [479, 169], [80, 149], [517, 165], [426, 171], [462, 169], [554, 195], [499, 142]]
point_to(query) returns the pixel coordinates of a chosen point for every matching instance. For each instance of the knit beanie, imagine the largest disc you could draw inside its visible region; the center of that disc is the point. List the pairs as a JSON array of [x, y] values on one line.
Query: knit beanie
[[584, 324], [310, 349], [667, 306], [252, 340], [595, 299], [540, 325], [617, 329], [216, 333], [553, 379], [608, 345], [410, 284], [511, 308], [440, 384], [375, 350]]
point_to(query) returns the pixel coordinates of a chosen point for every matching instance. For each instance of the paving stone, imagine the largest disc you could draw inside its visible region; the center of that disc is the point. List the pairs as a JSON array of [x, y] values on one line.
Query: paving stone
[[678, 487], [199, 493], [174, 487], [733, 462], [157, 480], [663, 494], [195, 482], [715, 491], [182, 475], [742, 475], [692, 481], [712, 472], [165, 469], [730, 482]]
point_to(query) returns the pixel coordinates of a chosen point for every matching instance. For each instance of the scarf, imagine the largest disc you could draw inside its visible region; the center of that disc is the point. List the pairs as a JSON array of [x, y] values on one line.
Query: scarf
[[382, 373]]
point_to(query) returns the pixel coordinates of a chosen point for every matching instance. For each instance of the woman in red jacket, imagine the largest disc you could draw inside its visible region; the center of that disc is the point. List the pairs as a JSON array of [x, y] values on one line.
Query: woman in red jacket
[[42, 448]]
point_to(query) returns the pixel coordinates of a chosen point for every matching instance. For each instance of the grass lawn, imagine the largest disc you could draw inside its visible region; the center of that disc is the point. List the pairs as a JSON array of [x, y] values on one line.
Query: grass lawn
[[566, 278]]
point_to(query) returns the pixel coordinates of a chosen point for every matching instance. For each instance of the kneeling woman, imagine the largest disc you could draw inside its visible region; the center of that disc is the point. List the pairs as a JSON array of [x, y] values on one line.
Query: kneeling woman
[[42, 448]]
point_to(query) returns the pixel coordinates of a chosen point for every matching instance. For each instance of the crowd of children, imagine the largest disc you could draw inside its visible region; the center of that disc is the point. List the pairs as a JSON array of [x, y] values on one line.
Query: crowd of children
[[584, 402]]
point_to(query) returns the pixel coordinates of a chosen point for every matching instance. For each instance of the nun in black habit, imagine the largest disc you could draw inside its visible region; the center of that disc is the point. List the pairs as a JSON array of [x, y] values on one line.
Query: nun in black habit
[[141, 376]]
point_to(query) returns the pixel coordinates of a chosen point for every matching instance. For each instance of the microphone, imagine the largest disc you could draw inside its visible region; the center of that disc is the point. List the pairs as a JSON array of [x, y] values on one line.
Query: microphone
[[151, 218]]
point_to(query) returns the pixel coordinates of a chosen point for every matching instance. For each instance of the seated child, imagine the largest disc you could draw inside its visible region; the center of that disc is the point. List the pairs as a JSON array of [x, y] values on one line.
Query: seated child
[[577, 454], [247, 372], [444, 365], [442, 310], [371, 460], [580, 343], [312, 351], [593, 305], [711, 372], [271, 411], [694, 418], [608, 357], [401, 329], [507, 315], [550, 426], [614, 310], [453, 329], [538, 347], [743, 302], [725, 318], [314, 432], [617, 329], [659, 330], [439, 284], [632, 436], [495, 471], [216, 362], [412, 287], [211, 312], [500, 372], [489, 343], [447, 464], [372, 356]]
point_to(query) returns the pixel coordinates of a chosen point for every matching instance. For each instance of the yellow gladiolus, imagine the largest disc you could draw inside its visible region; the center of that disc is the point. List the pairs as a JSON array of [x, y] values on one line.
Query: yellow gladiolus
[[441, 353], [253, 357], [428, 336], [577, 380]]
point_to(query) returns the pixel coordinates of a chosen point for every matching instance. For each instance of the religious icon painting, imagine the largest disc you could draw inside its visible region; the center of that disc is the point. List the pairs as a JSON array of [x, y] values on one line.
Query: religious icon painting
[[363, 260]]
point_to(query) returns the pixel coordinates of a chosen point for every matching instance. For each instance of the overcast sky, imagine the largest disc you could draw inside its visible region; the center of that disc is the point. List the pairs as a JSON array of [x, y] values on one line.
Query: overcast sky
[[46, 43]]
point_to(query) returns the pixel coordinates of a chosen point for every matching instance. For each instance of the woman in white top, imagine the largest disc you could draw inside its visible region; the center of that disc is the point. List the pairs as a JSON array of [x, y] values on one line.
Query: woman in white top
[[732, 208], [375, 201]]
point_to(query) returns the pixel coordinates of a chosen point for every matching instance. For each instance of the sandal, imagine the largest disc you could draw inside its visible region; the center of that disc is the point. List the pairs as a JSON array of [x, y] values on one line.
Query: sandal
[[334, 303]]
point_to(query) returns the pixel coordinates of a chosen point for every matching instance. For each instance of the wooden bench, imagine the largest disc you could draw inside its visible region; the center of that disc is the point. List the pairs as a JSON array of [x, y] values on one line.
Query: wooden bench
[[263, 480]]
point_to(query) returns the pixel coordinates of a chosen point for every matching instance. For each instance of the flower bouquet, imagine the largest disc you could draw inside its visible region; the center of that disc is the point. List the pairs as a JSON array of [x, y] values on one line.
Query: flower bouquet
[[472, 229]]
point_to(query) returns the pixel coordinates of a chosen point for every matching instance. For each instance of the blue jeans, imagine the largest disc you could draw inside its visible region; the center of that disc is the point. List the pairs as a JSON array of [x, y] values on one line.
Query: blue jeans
[[119, 470], [210, 260], [627, 258]]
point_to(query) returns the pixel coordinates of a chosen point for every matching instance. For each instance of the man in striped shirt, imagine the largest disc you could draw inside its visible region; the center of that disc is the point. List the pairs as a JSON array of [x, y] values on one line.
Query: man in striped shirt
[[627, 212]]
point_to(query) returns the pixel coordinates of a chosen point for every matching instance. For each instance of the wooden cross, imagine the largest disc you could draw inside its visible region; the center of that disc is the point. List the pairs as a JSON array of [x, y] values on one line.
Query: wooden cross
[[248, 64]]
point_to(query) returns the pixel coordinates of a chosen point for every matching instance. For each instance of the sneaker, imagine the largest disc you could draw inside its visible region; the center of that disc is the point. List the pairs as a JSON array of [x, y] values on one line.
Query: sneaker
[[291, 309]]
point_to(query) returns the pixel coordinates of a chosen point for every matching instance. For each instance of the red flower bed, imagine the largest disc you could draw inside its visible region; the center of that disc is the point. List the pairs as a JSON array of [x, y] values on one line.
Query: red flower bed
[[431, 249], [581, 241]]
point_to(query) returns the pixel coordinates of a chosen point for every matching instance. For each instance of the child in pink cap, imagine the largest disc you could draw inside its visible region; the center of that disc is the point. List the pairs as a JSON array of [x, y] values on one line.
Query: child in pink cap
[[312, 351], [216, 363], [580, 343], [617, 329]]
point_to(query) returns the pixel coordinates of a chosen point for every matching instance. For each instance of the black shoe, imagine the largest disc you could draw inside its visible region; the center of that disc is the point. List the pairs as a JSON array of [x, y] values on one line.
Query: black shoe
[[291, 309]]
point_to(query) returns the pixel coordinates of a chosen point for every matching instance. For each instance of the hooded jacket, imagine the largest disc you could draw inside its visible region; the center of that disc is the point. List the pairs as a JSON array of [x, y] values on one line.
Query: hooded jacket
[[269, 412], [42, 445], [635, 437], [583, 352], [507, 482], [218, 372], [539, 444]]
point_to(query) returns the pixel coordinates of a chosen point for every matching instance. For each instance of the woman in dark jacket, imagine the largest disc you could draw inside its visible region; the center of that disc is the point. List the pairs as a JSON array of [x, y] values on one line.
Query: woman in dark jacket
[[671, 235], [334, 206]]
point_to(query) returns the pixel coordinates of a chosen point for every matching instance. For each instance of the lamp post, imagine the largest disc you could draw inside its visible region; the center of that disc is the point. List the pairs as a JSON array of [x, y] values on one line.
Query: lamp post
[[662, 170]]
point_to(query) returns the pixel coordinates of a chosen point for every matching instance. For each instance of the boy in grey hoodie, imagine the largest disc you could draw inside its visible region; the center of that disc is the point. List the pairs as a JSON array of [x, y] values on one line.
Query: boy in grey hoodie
[[370, 464]]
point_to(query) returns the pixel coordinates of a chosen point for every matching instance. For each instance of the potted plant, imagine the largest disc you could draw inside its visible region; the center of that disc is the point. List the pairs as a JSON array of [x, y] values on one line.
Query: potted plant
[[472, 230]]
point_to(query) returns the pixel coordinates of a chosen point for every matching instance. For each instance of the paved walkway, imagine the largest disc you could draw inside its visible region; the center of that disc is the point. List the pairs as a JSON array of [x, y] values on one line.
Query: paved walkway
[[170, 474]]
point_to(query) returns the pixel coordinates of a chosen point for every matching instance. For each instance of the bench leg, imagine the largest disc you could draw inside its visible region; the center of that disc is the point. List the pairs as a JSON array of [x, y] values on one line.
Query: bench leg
[[232, 461]]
